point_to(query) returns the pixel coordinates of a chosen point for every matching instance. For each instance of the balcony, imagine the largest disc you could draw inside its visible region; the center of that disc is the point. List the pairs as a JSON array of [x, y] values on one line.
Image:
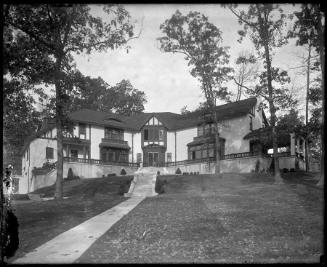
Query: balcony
[[117, 143], [75, 141]]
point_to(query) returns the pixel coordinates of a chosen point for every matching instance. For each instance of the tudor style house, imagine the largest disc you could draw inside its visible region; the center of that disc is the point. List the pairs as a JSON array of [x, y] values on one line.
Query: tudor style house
[[102, 143]]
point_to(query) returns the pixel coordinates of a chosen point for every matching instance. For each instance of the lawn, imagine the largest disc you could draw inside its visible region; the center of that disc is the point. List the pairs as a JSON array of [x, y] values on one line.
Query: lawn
[[232, 219], [41, 221]]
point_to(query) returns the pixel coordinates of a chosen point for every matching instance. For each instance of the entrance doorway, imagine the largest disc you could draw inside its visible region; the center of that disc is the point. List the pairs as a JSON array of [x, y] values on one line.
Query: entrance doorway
[[153, 159]]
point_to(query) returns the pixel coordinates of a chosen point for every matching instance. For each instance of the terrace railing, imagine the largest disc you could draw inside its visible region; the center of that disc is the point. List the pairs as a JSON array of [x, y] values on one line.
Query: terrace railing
[[101, 162], [114, 140]]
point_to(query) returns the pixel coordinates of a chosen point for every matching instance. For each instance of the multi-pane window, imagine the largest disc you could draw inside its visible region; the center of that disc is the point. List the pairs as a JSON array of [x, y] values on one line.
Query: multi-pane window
[[153, 134], [82, 130], [49, 152], [206, 129], [169, 157], [113, 155], [110, 133], [205, 150]]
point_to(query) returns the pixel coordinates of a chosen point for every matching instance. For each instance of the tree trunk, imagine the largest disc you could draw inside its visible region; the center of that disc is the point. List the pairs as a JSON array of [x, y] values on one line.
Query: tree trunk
[[59, 180], [307, 110], [2, 221], [322, 61], [217, 143], [278, 178]]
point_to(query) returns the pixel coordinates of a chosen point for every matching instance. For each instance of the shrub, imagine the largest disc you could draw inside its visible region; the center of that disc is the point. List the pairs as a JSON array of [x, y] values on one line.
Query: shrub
[[111, 174], [257, 166], [292, 170], [70, 175], [76, 177], [178, 171], [160, 186], [122, 172], [124, 187], [285, 170]]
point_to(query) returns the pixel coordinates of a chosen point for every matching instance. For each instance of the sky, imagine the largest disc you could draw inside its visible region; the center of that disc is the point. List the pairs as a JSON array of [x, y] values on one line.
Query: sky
[[165, 77]]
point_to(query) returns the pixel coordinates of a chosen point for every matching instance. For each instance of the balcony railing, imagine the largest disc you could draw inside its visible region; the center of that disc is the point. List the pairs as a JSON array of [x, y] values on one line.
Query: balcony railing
[[101, 162], [76, 140], [114, 140]]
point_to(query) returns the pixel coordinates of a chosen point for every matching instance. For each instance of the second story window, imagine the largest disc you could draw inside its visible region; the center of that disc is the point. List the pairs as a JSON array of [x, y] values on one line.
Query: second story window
[[146, 134], [251, 124], [110, 133], [82, 130], [49, 153]]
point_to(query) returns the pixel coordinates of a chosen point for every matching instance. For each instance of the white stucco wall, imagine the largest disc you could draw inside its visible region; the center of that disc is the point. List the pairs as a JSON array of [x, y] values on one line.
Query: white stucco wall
[[84, 170], [36, 158], [97, 133], [128, 138], [170, 145], [137, 146], [184, 137]]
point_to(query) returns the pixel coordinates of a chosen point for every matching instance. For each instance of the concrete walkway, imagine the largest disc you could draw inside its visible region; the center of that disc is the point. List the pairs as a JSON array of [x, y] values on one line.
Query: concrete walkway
[[70, 245], [143, 184]]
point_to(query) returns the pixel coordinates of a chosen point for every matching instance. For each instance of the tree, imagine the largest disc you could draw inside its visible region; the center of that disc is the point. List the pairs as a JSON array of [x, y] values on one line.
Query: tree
[[20, 119], [310, 29], [96, 94], [200, 41], [246, 71], [59, 31], [264, 23]]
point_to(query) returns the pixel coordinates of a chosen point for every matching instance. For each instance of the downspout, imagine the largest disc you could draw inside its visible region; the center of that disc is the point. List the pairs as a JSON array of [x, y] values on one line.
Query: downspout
[[175, 147]]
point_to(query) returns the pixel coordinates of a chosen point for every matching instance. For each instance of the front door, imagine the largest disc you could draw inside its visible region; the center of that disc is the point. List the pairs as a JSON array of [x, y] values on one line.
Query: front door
[[153, 158]]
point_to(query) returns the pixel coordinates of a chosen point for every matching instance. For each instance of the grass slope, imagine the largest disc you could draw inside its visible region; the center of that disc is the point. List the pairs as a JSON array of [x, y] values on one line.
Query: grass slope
[[41, 221], [234, 219]]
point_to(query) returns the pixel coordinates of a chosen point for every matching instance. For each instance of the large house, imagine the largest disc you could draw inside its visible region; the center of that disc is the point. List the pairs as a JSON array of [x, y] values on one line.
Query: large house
[[102, 143]]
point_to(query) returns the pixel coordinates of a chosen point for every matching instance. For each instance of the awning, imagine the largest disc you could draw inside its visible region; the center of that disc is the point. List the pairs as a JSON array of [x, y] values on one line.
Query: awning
[[115, 145]]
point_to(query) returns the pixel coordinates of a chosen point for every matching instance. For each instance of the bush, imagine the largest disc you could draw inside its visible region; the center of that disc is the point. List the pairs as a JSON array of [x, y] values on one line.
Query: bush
[[124, 187], [292, 170], [158, 172], [111, 174], [178, 171], [257, 166], [70, 175], [160, 186], [285, 170], [123, 172]]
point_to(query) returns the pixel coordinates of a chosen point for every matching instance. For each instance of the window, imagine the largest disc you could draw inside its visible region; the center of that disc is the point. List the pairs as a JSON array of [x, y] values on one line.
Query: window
[[116, 134], [251, 124], [206, 150], [74, 153], [82, 130], [139, 157], [146, 134], [200, 130], [161, 135], [168, 157], [49, 152]]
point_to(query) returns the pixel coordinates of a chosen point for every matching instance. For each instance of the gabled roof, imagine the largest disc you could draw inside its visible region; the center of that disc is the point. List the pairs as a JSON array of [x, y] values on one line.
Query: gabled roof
[[172, 121]]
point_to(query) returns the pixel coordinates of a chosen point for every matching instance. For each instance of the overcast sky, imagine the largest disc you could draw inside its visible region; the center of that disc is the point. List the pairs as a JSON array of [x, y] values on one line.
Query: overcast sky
[[165, 77]]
